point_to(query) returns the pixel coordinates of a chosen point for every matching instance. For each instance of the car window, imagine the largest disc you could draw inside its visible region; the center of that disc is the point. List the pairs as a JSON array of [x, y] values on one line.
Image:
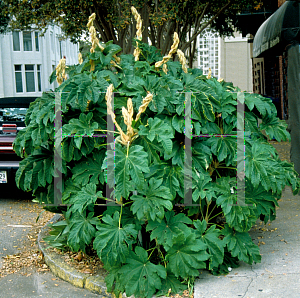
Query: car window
[[12, 114]]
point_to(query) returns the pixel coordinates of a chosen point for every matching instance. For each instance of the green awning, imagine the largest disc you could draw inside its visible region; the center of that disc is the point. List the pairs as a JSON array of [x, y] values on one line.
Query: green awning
[[279, 30]]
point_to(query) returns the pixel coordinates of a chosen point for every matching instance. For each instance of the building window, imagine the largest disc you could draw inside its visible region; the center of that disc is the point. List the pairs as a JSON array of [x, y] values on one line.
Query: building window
[[39, 77], [16, 40], [36, 35], [18, 76], [27, 43], [29, 76]]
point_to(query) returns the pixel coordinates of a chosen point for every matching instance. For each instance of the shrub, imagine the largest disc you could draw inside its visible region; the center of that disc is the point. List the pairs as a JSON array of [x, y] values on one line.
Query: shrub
[[151, 241]]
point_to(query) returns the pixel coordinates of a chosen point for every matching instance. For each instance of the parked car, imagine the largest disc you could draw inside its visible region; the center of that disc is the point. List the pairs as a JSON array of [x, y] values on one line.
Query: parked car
[[12, 117]]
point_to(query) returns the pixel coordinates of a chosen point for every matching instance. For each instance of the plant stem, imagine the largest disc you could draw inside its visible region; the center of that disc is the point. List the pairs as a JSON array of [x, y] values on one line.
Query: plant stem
[[201, 209], [120, 216], [231, 168], [127, 203], [127, 148], [218, 173], [216, 215], [212, 210], [206, 215]]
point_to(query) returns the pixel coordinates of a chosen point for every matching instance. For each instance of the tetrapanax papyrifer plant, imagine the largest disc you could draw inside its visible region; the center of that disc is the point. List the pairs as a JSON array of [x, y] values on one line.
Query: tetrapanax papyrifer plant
[[151, 240]]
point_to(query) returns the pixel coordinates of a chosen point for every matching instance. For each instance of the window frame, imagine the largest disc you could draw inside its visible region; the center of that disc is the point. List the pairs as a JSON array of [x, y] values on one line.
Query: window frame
[[13, 41], [19, 72], [37, 73], [31, 41], [35, 41], [27, 77]]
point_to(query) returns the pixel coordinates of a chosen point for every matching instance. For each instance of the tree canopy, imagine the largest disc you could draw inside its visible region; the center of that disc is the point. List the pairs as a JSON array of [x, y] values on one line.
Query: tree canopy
[[114, 20]]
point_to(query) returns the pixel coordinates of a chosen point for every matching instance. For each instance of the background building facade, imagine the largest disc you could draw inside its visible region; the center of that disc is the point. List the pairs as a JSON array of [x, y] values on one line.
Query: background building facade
[[27, 60], [229, 58]]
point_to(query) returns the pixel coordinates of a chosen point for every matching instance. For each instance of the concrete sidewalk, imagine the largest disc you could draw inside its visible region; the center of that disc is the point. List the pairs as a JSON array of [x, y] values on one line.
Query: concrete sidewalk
[[278, 274]]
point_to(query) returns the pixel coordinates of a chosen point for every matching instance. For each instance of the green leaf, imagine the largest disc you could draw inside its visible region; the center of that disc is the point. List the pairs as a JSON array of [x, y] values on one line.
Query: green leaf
[[172, 225], [129, 165], [263, 105], [82, 231], [82, 126], [260, 165], [202, 187], [154, 200], [112, 241], [187, 256], [211, 238], [240, 245], [84, 199], [275, 128], [161, 131], [201, 156], [89, 169], [172, 177], [264, 201], [202, 106], [140, 276], [151, 147], [171, 282], [242, 218]]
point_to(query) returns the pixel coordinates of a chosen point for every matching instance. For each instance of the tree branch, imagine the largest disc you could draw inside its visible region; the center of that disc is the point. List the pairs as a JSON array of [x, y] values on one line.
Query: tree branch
[[194, 36], [199, 19], [168, 37]]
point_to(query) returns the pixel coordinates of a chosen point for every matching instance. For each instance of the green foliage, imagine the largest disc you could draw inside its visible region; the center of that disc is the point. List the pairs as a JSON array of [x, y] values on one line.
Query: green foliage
[[150, 233]]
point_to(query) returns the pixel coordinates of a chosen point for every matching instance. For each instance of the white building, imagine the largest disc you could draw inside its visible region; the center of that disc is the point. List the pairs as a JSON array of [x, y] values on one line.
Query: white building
[[27, 60], [229, 58]]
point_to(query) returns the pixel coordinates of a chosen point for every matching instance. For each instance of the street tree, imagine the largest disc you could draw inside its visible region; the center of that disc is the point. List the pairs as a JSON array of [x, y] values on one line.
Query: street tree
[[114, 20]]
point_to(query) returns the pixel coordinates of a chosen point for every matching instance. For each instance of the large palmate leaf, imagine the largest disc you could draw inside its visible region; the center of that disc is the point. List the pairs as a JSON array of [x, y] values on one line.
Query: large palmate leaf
[[171, 226], [82, 231], [211, 237], [131, 163], [237, 215], [161, 131], [171, 282], [264, 201], [204, 101], [84, 198], [89, 169], [152, 148], [275, 128], [260, 166], [172, 177], [187, 256], [81, 126], [140, 276], [262, 104], [177, 154], [152, 201], [36, 170], [240, 245], [201, 156], [223, 147], [112, 241], [202, 186]]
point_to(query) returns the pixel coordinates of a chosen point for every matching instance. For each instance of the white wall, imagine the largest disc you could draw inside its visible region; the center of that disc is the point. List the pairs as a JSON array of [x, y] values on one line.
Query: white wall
[[49, 54], [236, 63], [228, 58]]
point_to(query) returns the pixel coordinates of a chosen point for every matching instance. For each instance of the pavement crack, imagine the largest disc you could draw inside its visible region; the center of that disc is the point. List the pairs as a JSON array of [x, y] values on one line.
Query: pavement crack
[[248, 287]]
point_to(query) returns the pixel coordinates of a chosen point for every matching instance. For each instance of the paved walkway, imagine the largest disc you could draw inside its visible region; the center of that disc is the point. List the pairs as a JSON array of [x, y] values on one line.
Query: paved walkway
[[278, 274], [17, 217]]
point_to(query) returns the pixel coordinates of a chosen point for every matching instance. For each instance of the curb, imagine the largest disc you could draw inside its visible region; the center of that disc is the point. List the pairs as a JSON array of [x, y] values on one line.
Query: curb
[[57, 265]]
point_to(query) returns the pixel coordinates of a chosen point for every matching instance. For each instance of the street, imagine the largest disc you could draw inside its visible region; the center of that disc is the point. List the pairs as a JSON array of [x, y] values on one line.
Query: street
[[22, 271]]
